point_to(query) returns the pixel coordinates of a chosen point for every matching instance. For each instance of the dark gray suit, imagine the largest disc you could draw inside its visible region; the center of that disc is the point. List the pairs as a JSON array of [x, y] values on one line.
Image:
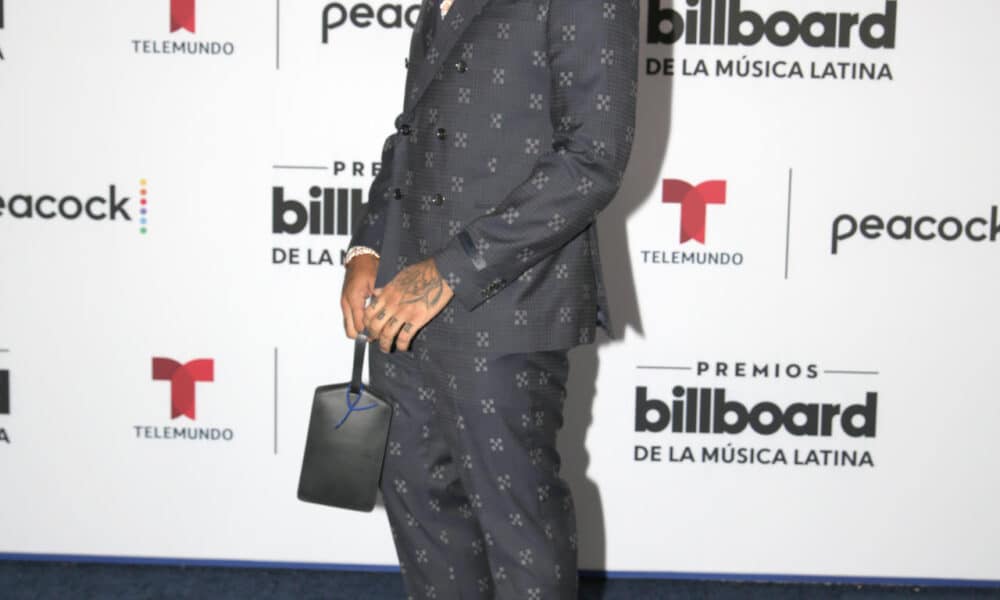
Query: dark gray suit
[[516, 129]]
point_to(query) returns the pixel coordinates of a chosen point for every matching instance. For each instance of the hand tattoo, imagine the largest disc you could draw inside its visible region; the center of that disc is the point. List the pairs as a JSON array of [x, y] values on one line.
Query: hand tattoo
[[420, 283]]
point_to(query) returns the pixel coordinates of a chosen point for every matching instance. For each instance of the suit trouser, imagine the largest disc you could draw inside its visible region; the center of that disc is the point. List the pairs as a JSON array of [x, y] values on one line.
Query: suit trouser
[[471, 479]]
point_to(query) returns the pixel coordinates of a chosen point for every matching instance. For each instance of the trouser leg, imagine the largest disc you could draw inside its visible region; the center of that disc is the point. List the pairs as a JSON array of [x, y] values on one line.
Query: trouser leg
[[432, 521], [502, 413]]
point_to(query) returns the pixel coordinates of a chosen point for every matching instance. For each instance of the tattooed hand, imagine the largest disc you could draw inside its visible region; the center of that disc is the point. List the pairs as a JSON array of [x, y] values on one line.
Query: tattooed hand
[[408, 302]]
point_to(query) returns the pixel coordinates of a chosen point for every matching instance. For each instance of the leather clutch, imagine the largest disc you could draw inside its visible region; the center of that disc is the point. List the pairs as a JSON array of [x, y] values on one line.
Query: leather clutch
[[346, 442]]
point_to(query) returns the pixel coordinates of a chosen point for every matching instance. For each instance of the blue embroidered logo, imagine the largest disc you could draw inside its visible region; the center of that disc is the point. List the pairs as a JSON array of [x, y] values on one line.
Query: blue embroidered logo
[[352, 406]]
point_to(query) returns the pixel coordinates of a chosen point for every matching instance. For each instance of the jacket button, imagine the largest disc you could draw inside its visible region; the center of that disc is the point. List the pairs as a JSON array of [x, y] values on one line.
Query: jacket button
[[405, 129], [406, 62], [461, 67], [397, 194], [441, 133], [438, 200]]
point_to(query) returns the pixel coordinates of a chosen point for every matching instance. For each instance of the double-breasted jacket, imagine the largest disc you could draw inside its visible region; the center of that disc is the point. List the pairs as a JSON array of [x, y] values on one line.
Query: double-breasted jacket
[[516, 128]]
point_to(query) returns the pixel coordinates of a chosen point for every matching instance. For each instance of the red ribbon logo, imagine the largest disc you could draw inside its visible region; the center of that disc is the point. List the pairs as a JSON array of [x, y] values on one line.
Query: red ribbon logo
[[693, 200], [182, 15], [182, 379]]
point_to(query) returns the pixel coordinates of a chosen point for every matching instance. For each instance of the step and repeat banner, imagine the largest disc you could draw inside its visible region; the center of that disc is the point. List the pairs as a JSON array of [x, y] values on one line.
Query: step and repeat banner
[[802, 267]]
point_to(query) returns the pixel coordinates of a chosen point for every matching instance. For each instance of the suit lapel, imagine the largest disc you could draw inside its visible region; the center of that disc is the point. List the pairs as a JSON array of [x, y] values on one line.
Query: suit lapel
[[433, 40], [423, 27]]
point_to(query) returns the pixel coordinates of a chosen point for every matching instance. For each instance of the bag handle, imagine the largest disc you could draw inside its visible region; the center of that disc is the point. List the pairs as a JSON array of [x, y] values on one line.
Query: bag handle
[[360, 345]]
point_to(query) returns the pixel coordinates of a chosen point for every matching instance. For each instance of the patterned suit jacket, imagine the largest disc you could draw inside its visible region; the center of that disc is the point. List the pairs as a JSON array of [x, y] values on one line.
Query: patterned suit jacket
[[516, 129]]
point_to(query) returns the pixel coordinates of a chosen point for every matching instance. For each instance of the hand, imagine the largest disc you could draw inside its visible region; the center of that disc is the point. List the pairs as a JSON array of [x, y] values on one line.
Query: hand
[[359, 282], [408, 302]]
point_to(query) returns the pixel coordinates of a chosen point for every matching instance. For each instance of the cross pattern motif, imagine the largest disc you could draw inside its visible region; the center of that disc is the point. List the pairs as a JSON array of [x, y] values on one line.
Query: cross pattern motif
[[519, 120], [557, 222], [510, 215], [482, 339], [497, 477], [604, 102], [521, 379]]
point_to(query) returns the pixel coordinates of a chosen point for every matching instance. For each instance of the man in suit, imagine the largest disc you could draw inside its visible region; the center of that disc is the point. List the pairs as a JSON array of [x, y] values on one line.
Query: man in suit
[[479, 249]]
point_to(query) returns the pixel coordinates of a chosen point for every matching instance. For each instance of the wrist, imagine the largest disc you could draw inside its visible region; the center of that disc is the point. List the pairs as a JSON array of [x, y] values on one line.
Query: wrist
[[356, 251]]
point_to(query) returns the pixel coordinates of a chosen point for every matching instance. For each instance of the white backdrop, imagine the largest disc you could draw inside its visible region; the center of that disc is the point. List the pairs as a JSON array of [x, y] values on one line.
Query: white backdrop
[[101, 94]]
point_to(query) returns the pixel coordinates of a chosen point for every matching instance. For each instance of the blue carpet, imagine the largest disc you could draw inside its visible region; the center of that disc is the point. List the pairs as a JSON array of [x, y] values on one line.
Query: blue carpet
[[75, 580]]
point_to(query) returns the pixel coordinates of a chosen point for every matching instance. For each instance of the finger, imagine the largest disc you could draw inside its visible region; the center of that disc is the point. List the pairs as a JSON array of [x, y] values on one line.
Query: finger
[[358, 319], [405, 336], [414, 320], [357, 314], [376, 323], [373, 296], [379, 310], [392, 326], [349, 328], [376, 304]]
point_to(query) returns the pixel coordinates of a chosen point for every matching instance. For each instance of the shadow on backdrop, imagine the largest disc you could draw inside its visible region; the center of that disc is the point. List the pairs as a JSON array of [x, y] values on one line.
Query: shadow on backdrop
[[642, 180]]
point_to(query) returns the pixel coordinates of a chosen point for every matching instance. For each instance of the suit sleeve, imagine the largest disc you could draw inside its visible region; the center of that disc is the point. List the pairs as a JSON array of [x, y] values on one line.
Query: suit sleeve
[[369, 230], [593, 57]]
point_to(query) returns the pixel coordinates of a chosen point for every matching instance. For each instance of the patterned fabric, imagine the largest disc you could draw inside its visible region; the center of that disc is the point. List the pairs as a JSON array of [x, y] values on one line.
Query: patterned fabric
[[356, 250], [471, 480], [517, 125]]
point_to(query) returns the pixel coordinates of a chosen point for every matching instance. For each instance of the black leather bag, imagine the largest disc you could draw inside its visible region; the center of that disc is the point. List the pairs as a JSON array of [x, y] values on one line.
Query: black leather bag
[[345, 447]]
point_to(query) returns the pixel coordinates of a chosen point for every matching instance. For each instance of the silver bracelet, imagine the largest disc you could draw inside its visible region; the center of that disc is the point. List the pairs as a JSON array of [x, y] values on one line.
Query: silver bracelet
[[356, 250]]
